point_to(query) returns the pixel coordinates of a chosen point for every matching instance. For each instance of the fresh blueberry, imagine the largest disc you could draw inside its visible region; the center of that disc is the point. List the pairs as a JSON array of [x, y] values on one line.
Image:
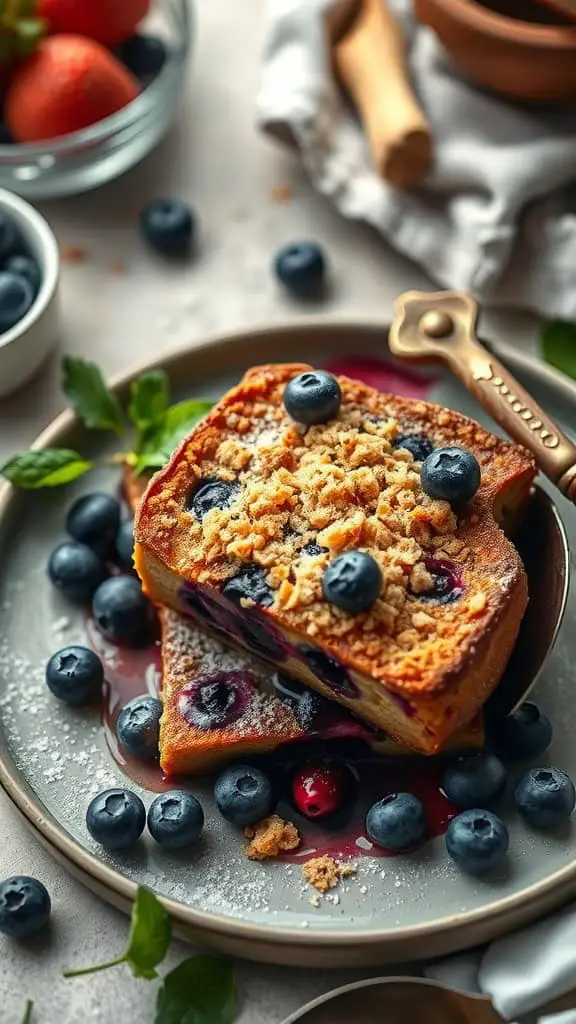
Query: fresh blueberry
[[249, 584], [477, 841], [16, 298], [301, 268], [451, 474], [418, 445], [313, 397], [477, 781], [75, 675], [138, 727], [313, 549], [125, 544], [144, 56], [397, 822], [524, 734], [94, 520], [24, 266], [121, 611], [116, 818], [215, 700], [243, 795], [212, 493], [353, 582], [168, 225], [545, 797], [76, 571], [329, 671], [175, 820], [10, 241], [25, 907]]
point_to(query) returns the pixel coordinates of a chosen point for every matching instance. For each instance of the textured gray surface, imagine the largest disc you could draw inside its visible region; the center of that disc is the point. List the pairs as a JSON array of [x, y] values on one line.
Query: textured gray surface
[[214, 158]]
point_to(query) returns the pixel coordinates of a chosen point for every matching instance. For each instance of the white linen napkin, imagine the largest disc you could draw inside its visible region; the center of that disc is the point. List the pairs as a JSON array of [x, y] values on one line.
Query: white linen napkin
[[496, 215]]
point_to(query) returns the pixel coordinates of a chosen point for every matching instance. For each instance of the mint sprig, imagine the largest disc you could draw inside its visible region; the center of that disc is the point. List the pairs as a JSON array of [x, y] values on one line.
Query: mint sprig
[[199, 991], [149, 400], [558, 341], [94, 404], [161, 439], [50, 467], [148, 943]]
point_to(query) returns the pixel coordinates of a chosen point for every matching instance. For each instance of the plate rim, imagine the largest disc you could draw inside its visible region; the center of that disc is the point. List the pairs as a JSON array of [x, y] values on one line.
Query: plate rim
[[289, 945]]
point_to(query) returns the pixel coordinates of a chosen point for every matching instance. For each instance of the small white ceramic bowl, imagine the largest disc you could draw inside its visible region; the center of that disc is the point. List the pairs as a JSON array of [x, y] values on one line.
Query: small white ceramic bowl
[[26, 345]]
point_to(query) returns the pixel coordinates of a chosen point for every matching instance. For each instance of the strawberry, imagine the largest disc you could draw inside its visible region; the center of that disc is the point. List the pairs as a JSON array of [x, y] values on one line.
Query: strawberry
[[67, 84], [109, 22]]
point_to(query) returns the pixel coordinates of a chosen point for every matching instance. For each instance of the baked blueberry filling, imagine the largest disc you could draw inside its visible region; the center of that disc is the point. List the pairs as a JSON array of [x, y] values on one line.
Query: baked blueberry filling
[[306, 705], [329, 671], [250, 585], [215, 700], [418, 445], [262, 638], [448, 585], [313, 549], [212, 493]]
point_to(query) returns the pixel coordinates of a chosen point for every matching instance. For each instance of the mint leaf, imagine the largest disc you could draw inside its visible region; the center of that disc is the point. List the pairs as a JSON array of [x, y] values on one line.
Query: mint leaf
[[559, 345], [89, 395], [49, 467], [149, 400], [28, 1012], [160, 441], [199, 991], [150, 934]]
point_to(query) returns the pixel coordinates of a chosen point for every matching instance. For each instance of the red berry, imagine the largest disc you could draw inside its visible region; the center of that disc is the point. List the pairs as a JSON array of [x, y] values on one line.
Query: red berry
[[319, 790]]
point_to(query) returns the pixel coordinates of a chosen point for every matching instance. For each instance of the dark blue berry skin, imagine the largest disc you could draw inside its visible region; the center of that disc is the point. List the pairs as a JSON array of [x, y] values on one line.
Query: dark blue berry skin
[[477, 840], [76, 571], [25, 907], [94, 520], [175, 820], [451, 474], [125, 544], [313, 397], [418, 446], [138, 727], [121, 611], [523, 735], [244, 795], [397, 822], [10, 240], [116, 818], [75, 676], [313, 549], [477, 781], [353, 582], [168, 225], [24, 266], [545, 797], [249, 583], [144, 56], [16, 298], [212, 493], [301, 268]]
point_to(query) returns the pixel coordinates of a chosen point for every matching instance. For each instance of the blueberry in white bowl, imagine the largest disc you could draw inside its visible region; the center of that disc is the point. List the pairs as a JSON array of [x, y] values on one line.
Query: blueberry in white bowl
[[138, 727], [545, 797], [94, 520], [76, 571], [24, 266], [477, 841], [175, 820], [244, 795], [121, 611], [476, 781], [75, 675], [16, 299], [397, 822], [116, 818], [301, 268], [25, 907]]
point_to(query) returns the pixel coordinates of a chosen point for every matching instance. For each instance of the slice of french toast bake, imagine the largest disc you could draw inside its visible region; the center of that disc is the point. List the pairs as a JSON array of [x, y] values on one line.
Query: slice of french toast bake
[[350, 538]]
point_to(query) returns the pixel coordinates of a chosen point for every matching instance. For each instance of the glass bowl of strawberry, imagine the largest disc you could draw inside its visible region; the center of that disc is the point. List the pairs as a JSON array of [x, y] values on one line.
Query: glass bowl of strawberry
[[89, 89]]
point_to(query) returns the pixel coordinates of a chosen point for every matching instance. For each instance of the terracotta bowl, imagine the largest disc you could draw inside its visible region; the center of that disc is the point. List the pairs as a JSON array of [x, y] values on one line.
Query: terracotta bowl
[[529, 57]]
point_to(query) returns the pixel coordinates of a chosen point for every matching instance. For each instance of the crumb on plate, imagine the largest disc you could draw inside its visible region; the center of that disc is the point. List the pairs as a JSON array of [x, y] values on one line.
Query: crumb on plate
[[324, 872], [271, 836], [73, 253]]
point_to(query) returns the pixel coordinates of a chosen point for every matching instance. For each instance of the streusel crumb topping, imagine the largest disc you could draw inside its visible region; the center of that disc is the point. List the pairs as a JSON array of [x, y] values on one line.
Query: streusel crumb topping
[[324, 872], [270, 837]]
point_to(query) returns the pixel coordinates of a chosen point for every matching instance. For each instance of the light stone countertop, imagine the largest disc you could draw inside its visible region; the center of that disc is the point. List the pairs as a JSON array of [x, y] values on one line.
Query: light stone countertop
[[214, 158]]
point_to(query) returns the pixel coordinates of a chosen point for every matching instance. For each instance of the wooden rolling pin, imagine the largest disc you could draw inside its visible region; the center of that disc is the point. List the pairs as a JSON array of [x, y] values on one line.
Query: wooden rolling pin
[[370, 60]]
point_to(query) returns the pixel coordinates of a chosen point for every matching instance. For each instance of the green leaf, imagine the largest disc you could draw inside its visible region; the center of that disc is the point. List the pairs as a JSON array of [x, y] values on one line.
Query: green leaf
[[559, 345], [149, 400], [150, 935], [90, 397], [148, 943], [49, 467], [159, 442], [28, 1012], [199, 991]]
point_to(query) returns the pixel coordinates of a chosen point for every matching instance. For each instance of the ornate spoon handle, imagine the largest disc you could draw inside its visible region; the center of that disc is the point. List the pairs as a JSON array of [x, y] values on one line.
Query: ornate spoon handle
[[441, 327]]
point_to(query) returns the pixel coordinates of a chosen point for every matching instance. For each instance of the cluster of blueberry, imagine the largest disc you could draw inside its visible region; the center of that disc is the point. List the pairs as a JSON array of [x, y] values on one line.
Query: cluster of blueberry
[[20, 275]]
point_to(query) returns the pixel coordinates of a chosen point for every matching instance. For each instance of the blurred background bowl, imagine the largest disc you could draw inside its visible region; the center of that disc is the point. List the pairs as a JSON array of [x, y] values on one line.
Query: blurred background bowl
[[86, 159], [519, 48]]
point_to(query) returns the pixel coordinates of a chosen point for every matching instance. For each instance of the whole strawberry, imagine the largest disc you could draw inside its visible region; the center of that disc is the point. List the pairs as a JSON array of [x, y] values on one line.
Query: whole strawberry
[[67, 84], [109, 22]]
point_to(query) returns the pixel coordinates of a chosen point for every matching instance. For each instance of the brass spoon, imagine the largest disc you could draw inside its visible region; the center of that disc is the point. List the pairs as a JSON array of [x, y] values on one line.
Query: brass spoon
[[440, 327], [401, 1000]]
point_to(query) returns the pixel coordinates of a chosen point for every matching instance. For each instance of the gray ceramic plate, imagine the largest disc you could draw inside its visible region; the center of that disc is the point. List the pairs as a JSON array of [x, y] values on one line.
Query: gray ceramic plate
[[54, 759]]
